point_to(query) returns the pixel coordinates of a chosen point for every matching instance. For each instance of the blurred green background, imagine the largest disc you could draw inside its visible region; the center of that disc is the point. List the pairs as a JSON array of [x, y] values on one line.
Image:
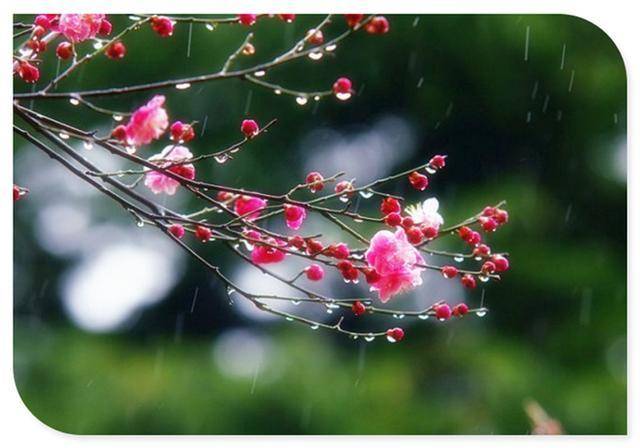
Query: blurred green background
[[541, 125]]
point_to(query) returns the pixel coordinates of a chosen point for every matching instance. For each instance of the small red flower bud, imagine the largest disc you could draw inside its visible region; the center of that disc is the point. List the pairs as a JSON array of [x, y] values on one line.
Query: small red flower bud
[[358, 308], [378, 25], [64, 50], [418, 181], [393, 219], [344, 265], [182, 132], [247, 19], [371, 275], [288, 18], [17, 194], [443, 311], [176, 230], [407, 222], [449, 271], [252, 235], [482, 250], [460, 310], [350, 275], [353, 19], [488, 267], [464, 232], [116, 50], [314, 272], [438, 162], [315, 37], [28, 72], [119, 133], [163, 26], [315, 181], [43, 21], [249, 128], [340, 251], [501, 216], [390, 205], [297, 241], [395, 334], [105, 27], [414, 235], [488, 224], [314, 247], [489, 211], [474, 238], [501, 263], [468, 281], [38, 31], [342, 85], [429, 232], [203, 233], [345, 187]]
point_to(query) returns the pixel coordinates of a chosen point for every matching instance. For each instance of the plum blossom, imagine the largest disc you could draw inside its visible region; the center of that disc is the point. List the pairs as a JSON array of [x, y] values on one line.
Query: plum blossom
[[394, 259], [161, 183], [262, 254], [426, 214], [79, 27], [148, 122], [249, 207], [294, 216]]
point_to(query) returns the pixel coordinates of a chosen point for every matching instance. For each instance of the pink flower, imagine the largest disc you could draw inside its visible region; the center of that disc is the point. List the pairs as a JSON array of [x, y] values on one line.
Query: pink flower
[[294, 216], [79, 27], [161, 183], [394, 259], [249, 207], [267, 254], [148, 122]]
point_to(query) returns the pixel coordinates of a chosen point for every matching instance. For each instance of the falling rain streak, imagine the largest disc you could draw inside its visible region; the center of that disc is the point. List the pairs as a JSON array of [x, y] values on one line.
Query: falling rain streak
[[564, 52], [573, 75], [189, 40], [526, 43]]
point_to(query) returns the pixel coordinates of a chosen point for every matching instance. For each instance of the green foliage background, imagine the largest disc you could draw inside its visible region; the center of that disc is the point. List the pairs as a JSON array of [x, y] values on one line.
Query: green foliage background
[[557, 327]]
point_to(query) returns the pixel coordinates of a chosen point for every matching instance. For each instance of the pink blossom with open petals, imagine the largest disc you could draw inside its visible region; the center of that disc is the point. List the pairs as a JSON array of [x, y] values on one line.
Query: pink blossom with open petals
[[79, 27], [395, 260], [267, 254], [249, 207], [294, 216], [148, 122], [161, 183]]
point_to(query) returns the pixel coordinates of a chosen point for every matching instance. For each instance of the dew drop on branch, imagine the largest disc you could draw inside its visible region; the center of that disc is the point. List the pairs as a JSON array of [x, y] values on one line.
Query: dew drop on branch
[[315, 55], [74, 101], [183, 86], [370, 337], [343, 96], [302, 100], [117, 117], [259, 73]]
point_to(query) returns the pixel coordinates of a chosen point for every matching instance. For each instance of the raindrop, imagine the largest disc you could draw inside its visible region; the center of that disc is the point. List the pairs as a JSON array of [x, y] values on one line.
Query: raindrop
[[343, 96], [358, 220], [74, 101], [366, 193], [354, 336], [134, 18], [210, 27], [315, 55], [131, 149], [302, 100], [344, 198], [277, 92], [140, 223], [117, 117], [259, 73], [391, 339], [295, 302], [314, 326], [481, 313], [183, 86], [430, 170], [423, 316], [290, 319], [331, 47], [458, 258], [483, 278], [316, 98], [370, 337], [222, 158], [88, 145], [97, 45], [64, 136]]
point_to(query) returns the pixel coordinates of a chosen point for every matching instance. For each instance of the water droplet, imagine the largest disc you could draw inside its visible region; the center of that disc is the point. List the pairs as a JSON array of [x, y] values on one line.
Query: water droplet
[[430, 170], [259, 73], [423, 316], [458, 258], [97, 45], [329, 310], [481, 313], [117, 117], [88, 145], [277, 92], [131, 149], [222, 158], [369, 337], [210, 27], [344, 198], [134, 18], [302, 100], [354, 336], [290, 319], [331, 47], [343, 96], [315, 55], [74, 101], [314, 326], [483, 278], [140, 223], [357, 256], [64, 136], [391, 339], [183, 86], [295, 302], [316, 98], [366, 193]]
